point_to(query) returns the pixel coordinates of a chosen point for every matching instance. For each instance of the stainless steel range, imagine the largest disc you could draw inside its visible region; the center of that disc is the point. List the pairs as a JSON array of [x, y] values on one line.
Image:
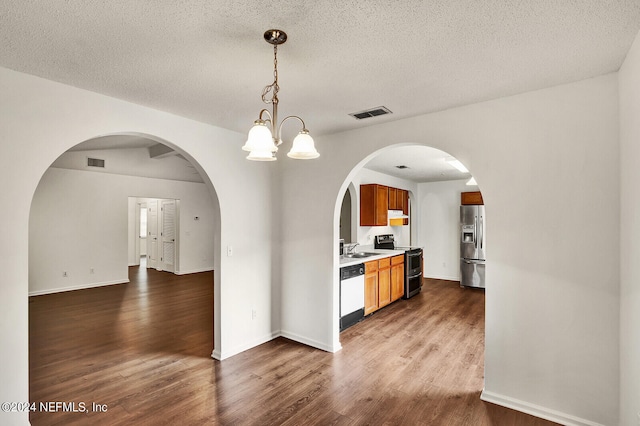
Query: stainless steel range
[[412, 263]]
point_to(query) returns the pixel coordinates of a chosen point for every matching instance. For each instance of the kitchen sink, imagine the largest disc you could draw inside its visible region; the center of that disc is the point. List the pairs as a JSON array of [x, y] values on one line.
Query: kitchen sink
[[359, 255]]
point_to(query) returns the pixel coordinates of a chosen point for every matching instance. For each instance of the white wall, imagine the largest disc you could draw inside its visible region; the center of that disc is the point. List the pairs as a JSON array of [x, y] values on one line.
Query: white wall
[[130, 162], [439, 227], [41, 120], [629, 78], [82, 220], [366, 234], [552, 343]]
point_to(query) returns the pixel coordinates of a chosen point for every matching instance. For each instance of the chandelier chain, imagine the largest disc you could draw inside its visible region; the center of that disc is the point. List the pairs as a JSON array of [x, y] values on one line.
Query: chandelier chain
[[272, 88]]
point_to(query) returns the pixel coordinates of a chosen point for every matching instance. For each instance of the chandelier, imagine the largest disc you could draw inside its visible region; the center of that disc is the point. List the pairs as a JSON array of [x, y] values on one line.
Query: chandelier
[[265, 135]]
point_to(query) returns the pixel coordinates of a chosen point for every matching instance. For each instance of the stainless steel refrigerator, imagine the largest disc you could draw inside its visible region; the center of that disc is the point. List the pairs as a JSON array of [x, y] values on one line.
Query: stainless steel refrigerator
[[472, 246]]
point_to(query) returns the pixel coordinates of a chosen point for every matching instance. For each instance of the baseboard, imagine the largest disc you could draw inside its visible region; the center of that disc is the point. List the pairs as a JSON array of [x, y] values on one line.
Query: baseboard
[[310, 342], [195, 271], [442, 277], [221, 355], [76, 287], [535, 410]]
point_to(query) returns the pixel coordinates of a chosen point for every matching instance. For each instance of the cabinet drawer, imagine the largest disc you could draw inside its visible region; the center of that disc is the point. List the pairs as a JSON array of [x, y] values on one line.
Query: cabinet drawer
[[396, 260], [370, 266], [384, 263]]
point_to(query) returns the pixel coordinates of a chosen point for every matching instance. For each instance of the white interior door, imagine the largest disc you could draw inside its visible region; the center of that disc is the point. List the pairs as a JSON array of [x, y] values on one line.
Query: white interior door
[[152, 234], [168, 235]]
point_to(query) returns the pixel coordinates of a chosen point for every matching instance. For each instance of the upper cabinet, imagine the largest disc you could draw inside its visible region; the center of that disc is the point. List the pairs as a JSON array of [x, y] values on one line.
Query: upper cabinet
[[376, 200], [393, 198], [471, 198], [374, 204]]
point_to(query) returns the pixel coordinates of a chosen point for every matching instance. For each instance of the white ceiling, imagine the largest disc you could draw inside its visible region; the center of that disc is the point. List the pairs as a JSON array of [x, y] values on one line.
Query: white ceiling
[[424, 164], [207, 60]]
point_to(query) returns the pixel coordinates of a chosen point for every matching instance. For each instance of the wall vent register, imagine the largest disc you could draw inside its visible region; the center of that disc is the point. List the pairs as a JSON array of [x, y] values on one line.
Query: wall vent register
[[95, 162]]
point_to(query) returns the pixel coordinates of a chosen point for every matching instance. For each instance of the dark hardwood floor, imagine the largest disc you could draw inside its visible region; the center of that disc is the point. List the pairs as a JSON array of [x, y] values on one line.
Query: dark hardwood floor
[[143, 350]]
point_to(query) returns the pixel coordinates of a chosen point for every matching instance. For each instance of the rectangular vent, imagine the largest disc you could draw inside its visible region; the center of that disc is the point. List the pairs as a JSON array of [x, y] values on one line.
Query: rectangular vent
[[402, 167], [373, 112], [95, 162]]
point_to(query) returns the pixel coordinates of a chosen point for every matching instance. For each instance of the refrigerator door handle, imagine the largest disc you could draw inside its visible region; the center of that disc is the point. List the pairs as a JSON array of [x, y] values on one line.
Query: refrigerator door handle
[[481, 233], [473, 262], [475, 232]]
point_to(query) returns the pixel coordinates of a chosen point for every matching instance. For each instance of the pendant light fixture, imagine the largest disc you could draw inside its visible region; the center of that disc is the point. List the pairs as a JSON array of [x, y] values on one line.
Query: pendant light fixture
[[265, 135]]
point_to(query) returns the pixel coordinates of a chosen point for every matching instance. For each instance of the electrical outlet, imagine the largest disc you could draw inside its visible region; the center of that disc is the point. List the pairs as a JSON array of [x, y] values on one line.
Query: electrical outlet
[[229, 251], [91, 271], [64, 274], [254, 314]]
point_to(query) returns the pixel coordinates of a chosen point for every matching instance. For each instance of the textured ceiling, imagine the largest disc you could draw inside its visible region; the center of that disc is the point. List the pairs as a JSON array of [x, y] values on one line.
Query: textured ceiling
[[206, 59], [423, 164]]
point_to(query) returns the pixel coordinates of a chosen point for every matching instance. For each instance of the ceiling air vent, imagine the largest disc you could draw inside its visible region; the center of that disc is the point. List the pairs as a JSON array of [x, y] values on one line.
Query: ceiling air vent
[[95, 162], [373, 112]]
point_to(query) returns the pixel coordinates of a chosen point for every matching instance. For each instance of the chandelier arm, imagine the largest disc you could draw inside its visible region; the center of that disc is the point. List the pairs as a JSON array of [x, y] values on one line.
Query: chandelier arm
[[304, 128], [266, 111]]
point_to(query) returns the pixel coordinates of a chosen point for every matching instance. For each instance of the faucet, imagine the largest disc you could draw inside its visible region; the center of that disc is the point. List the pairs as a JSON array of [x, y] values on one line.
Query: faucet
[[352, 248]]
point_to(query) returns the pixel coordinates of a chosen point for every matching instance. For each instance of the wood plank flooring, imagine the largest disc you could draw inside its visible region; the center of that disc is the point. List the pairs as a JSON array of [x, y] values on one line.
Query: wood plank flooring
[[143, 349]]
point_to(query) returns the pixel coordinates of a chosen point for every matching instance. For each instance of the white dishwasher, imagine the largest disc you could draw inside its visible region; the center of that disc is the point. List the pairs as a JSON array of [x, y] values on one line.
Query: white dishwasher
[[351, 295]]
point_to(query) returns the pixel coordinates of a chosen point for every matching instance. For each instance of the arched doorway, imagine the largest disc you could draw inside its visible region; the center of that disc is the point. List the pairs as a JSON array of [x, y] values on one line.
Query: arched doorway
[[435, 187], [87, 215]]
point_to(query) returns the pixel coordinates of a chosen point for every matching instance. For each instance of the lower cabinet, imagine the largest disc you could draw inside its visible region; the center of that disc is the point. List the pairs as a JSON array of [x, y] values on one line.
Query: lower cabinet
[[370, 287], [397, 277], [383, 282]]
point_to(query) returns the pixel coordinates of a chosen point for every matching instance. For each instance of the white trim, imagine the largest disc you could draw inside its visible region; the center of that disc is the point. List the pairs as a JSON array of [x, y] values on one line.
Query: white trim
[[219, 355], [309, 342], [446, 278], [76, 287], [195, 271], [535, 410]]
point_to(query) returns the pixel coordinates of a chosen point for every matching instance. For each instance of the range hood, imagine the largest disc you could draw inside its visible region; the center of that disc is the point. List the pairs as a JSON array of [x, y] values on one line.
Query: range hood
[[397, 214], [396, 217]]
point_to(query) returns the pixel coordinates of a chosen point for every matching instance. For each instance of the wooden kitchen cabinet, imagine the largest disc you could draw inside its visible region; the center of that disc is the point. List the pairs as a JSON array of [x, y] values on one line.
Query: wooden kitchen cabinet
[[471, 198], [374, 204], [404, 196], [397, 277], [393, 199], [370, 287], [384, 282]]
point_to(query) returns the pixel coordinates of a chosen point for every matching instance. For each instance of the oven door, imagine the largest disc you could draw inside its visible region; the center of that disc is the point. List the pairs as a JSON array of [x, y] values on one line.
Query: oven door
[[412, 285], [413, 262]]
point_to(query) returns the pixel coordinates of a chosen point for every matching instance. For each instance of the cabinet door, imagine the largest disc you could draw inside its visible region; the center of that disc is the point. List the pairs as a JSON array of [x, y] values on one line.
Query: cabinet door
[[370, 292], [382, 205], [384, 286], [471, 198], [397, 281], [374, 204], [405, 205], [399, 199], [393, 199]]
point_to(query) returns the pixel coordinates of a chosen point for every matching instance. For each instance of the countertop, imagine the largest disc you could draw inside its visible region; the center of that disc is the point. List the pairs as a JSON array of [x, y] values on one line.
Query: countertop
[[380, 254]]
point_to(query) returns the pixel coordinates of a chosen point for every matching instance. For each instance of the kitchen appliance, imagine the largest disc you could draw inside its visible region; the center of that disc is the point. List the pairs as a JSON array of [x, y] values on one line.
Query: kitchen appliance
[[351, 295], [412, 263], [472, 246]]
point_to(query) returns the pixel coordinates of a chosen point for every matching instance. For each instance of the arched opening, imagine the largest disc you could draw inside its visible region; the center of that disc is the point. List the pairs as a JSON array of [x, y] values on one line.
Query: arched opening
[[434, 189], [123, 320]]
